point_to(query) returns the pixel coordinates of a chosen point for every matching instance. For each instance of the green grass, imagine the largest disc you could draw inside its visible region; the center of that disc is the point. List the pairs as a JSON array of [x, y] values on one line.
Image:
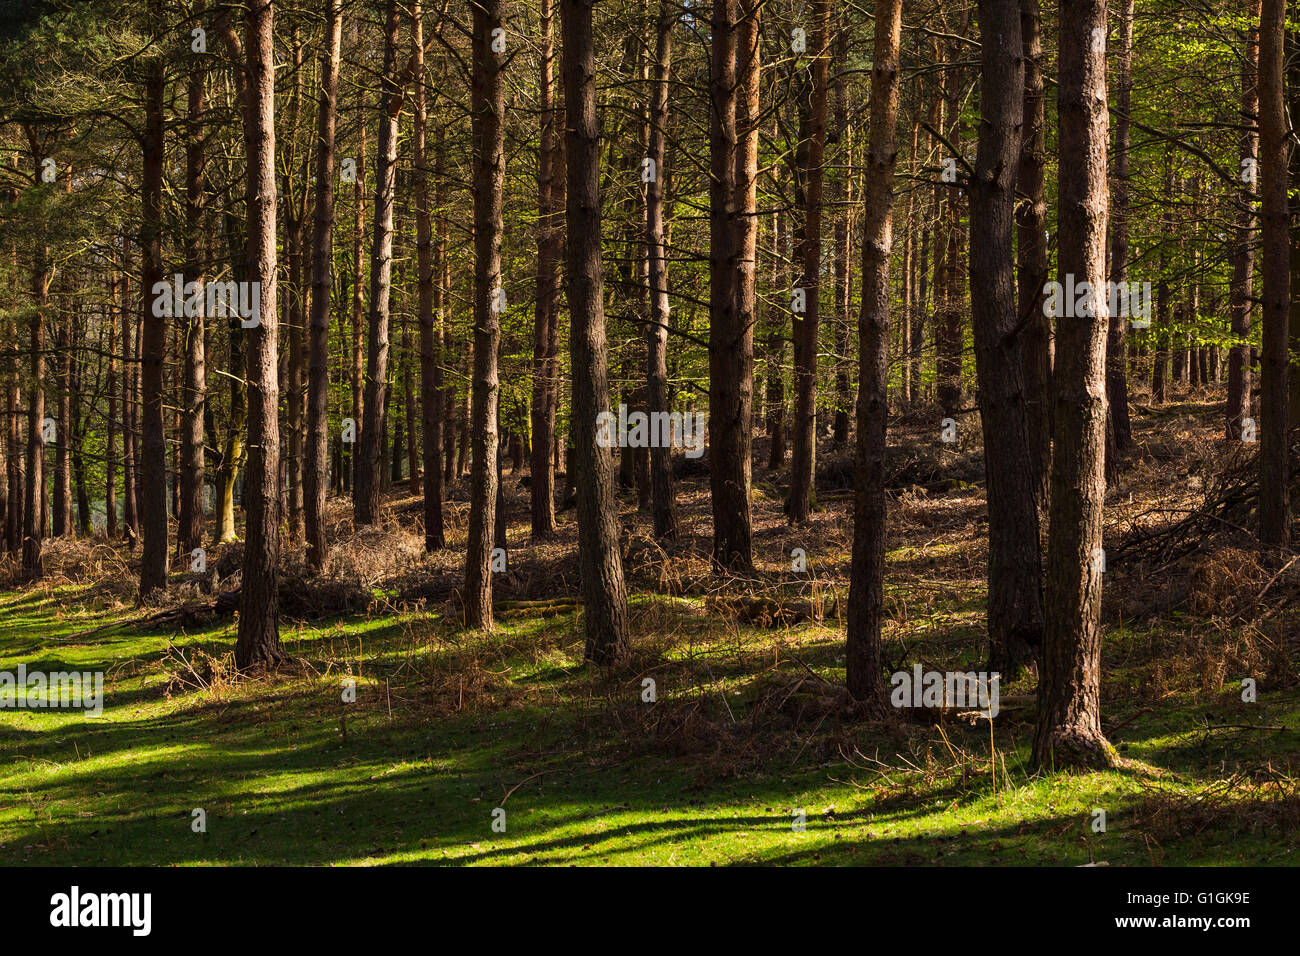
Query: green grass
[[449, 725]]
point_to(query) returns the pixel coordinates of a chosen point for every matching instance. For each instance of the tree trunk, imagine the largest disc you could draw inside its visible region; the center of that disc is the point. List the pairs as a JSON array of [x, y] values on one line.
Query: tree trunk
[[811, 151], [1243, 257], [546, 330], [153, 347], [110, 426], [600, 562], [194, 386], [843, 273], [731, 341], [1068, 731], [864, 656], [34, 482], [430, 304], [1031, 246], [317, 446], [662, 492], [61, 506], [259, 633], [130, 520], [1274, 497], [1121, 429], [487, 111], [366, 494], [1015, 610]]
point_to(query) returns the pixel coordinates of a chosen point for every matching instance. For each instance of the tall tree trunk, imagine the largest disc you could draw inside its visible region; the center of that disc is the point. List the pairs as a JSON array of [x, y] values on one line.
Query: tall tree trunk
[[843, 272], [130, 520], [1031, 246], [356, 366], [259, 633], [1160, 329], [731, 340], [487, 111], [546, 332], [600, 562], [811, 151], [366, 495], [314, 477], [1243, 256], [1068, 731], [153, 347], [61, 506], [110, 426], [430, 304], [1015, 610], [194, 387], [864, 656], [1121, 430], [34, 482], [84, 525], [662, 492], [1274, 153]]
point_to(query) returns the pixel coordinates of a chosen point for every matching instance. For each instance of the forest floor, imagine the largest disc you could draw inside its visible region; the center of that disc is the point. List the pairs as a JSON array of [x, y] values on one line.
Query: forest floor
[[747, 731]]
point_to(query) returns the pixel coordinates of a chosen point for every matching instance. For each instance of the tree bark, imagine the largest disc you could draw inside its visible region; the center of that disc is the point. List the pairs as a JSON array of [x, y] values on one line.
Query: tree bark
[[258, 643], [430, 304], [366, 493], [1274, 154], [864, 656], [1031, 246], [1121, 430], [194, 386], [317, 446], [1243, 258], [731, 341], [1015, 610], [600, 562], [487, 111], [1068, 731], [546, 330], [811, 151], [153, 347], [662, 492]]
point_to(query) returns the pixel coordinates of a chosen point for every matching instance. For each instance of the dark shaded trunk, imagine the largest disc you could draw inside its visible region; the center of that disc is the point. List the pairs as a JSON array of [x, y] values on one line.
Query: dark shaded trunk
[[430, 304], [810, 152], [194, 372], [1274, 153], [317, 439], [600, 564], [369, 465], [1068, 731], [1031, 248], [546, 330], [864, 658], [731, 341], [153, 346], [1015, 610], [1120, 431], [487, 110]]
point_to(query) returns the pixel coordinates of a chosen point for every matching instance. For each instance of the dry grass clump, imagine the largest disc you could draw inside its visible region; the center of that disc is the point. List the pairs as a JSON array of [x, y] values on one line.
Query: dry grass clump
[[1225, 582], [1263, 798], [374, 554]]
